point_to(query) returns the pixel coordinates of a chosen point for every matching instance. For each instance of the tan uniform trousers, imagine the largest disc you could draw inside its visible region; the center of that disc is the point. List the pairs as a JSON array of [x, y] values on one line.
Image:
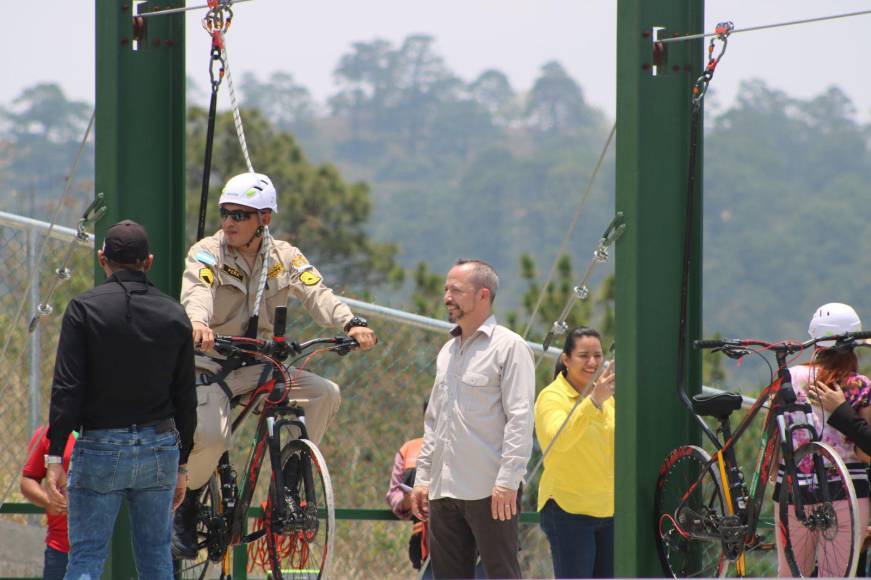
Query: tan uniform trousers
[[318, 396]]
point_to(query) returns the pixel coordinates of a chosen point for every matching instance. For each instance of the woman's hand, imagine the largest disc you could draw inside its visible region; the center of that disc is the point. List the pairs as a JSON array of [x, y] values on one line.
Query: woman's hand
[[827, 397], [603, 388]]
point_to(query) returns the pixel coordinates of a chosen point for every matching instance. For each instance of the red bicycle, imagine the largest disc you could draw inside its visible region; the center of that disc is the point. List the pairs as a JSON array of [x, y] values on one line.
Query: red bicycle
[[299, 514], [707, 517]]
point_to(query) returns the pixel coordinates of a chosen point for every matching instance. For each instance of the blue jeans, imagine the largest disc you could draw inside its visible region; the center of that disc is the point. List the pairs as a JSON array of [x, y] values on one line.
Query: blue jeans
[[55, 564], [109, 465], [581, 546]]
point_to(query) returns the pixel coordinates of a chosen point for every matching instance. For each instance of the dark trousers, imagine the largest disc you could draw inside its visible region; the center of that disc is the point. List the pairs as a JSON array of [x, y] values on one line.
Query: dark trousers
[[581, 546], [54, 564], [462, 529]]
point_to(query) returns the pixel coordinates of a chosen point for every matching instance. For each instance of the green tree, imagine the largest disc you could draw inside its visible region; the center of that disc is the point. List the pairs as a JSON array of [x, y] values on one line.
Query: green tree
[[556, 102], [285, 103], [493, 91], [43, 130], [428, 292], [42, 112], [318, 209], [366, 79]]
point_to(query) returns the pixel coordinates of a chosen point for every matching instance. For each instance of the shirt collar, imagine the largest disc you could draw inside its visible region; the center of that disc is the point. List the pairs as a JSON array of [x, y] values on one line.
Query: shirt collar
[[486, 327], [564, 386], [125, 275]]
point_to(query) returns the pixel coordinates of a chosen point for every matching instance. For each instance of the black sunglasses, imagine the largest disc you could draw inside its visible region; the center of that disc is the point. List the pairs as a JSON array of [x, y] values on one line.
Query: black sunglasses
[[237, 215]]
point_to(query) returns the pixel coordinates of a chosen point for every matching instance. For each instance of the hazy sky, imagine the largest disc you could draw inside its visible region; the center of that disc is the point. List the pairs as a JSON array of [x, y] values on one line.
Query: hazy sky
[[53, 40]]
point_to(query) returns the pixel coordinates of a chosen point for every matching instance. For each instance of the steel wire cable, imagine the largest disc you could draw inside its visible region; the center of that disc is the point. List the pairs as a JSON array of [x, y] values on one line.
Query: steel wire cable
[[765, 26], [42, 248], [59, 204], [568, 235], [184, 9]]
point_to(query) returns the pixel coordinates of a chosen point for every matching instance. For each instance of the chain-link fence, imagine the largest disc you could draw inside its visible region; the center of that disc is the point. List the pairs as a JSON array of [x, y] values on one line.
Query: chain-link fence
[[382, 395], [28, 263]]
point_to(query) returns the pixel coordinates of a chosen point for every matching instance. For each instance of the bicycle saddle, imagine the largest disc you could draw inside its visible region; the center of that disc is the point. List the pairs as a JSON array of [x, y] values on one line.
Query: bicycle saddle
[[719, 406]]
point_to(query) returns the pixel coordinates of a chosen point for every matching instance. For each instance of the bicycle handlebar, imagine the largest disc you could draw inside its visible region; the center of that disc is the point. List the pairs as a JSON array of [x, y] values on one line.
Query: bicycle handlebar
[[841, 340], [279, 349]]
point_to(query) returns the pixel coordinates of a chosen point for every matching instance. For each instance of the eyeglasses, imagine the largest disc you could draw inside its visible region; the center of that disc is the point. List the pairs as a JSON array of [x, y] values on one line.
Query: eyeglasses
[[237, 215]]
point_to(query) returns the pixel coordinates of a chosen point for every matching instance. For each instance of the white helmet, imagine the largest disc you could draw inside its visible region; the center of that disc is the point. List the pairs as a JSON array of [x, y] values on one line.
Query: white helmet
[[831, 319], [251, 190]]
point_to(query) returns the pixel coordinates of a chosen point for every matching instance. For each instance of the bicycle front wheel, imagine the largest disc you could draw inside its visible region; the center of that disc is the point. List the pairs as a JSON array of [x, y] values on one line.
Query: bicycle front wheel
[[822, 537], [688, 506], [305, 548]]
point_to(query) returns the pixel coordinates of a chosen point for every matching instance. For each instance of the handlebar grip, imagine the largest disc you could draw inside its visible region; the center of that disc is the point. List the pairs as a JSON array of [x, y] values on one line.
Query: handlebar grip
[[280, 321], [715, 343], [861, 334]]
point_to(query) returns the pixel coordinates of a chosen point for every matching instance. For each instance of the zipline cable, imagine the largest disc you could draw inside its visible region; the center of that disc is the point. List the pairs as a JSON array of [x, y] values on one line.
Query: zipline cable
[[568, 235], [764, 27], [94, 212], [185, 9], [581, 291], [59, 204]]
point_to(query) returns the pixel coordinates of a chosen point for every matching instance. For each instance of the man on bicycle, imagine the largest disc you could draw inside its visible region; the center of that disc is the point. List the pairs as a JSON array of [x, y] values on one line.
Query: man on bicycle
[[222, 291]]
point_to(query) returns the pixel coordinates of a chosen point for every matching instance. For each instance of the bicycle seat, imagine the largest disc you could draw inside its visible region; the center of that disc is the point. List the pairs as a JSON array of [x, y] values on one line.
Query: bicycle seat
[[719, 406]]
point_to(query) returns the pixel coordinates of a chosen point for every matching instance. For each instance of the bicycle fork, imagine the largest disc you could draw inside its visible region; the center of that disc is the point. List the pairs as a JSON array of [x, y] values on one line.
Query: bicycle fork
[[289, 514]]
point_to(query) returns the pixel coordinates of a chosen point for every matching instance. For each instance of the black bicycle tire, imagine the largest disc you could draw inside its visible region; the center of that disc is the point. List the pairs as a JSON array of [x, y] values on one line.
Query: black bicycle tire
[[661, 512], [308, 448]]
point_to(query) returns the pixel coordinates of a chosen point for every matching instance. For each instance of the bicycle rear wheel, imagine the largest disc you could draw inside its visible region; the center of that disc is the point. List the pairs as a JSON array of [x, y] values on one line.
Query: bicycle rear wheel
[[825, 539], [201, 567], [687, 505], [304, 550]]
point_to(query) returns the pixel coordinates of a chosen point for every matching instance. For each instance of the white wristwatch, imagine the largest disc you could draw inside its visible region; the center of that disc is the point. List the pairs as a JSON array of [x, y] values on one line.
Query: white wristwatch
[[49, 459]]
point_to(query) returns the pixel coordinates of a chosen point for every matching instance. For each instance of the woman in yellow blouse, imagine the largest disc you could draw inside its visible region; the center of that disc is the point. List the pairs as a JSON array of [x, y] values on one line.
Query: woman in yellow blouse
[[576, 492]]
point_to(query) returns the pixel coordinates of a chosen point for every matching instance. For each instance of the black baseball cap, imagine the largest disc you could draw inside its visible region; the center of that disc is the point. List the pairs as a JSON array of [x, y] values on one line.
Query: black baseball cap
[[126, 243]]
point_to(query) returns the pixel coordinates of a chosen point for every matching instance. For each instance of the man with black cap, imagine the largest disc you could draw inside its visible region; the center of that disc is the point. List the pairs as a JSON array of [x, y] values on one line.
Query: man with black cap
[[124, 377]]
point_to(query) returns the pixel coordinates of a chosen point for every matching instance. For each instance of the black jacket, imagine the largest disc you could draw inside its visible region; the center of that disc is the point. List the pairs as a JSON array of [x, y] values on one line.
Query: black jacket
[[846, 420], [125, 357]]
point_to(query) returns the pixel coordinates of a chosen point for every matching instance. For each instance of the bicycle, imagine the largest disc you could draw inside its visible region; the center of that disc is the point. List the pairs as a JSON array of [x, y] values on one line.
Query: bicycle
[[299, 514], [707, 517]]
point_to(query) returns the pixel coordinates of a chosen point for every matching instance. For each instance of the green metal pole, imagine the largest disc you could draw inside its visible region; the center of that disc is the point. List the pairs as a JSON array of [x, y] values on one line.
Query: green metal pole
[[140, 154], [653, 114]]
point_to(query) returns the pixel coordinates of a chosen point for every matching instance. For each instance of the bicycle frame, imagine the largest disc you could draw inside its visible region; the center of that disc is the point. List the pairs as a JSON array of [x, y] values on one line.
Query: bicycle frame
[[744, 504]]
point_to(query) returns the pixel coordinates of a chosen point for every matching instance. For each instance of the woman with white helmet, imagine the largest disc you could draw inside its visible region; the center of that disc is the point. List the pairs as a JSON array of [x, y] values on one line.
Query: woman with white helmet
[[830, 368]]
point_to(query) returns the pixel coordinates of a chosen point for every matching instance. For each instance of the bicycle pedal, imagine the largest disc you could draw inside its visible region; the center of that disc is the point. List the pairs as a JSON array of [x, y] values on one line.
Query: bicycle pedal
[[253, 536]]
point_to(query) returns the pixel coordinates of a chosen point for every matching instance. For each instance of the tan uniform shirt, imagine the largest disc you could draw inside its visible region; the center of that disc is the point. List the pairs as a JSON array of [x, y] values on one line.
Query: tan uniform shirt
[[479, 423], [219, 289]]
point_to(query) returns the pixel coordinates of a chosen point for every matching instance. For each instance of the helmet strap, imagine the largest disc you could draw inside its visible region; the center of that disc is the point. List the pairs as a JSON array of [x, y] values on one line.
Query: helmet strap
[[258, 232]]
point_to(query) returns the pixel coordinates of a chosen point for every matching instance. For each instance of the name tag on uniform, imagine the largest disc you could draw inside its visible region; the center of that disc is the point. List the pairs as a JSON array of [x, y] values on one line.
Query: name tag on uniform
[[233, 272]]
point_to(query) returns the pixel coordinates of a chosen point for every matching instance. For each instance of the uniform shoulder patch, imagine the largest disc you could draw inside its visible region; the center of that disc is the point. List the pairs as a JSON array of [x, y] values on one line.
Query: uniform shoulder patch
[[206, 258], [233, 272], [298, 261], [206, 275], [309, 278], [275, 270]]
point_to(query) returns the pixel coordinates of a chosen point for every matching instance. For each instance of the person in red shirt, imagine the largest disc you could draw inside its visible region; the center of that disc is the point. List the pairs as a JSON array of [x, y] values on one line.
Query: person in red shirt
[[57, 543]]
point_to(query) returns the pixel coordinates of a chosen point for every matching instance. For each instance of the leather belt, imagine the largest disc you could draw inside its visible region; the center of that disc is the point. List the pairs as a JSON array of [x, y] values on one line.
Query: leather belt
[[160, 426]]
